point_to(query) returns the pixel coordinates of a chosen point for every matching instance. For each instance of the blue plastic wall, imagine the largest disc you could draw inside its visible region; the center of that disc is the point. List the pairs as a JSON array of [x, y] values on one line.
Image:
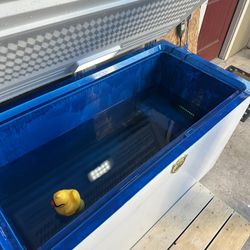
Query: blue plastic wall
[[190, 83], [79, 101]]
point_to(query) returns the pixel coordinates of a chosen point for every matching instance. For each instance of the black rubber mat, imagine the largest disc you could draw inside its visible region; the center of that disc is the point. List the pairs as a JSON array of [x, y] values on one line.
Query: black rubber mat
[[239, 72]]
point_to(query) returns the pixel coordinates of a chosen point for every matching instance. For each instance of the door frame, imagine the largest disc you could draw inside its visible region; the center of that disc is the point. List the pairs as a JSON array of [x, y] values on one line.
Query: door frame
[[225, 27], [233, 28]]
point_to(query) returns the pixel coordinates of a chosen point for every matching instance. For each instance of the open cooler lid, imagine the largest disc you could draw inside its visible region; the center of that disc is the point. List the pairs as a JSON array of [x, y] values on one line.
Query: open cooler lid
[[42, 41]]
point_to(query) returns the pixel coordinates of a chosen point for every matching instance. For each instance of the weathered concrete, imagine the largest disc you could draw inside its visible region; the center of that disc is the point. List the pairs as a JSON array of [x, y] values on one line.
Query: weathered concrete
[[230, 177], [240, 60]]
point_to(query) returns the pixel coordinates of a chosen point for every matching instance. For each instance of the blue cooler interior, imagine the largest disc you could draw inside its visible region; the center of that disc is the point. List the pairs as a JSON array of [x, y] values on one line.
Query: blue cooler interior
[[121, 120]]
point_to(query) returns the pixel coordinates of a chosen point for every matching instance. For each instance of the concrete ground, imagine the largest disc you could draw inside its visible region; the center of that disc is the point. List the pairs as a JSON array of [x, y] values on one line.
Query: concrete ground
[[230, 177], [240, 60]]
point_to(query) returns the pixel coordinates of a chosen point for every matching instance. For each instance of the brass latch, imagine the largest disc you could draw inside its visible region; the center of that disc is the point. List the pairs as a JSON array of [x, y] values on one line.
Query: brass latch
[[178, 164]]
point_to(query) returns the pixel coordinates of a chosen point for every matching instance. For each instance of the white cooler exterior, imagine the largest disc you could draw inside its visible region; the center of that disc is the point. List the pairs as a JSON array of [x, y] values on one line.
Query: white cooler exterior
[[127, 225]]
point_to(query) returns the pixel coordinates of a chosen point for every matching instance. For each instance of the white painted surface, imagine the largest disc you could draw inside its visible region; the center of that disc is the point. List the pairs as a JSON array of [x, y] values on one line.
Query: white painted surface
[[240, 33], [124, 228], [232, 29], [19, 16], [11, 8]]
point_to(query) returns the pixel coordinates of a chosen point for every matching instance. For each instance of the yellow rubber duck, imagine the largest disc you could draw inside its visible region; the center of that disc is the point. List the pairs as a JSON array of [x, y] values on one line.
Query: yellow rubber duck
[[67, 202]]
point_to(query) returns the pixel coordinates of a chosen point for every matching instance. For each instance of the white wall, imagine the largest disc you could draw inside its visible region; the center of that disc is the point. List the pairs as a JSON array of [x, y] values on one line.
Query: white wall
[[241, 32]]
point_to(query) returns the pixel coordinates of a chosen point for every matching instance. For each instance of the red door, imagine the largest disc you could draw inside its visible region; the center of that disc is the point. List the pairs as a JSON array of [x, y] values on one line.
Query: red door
[[216, 23]]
